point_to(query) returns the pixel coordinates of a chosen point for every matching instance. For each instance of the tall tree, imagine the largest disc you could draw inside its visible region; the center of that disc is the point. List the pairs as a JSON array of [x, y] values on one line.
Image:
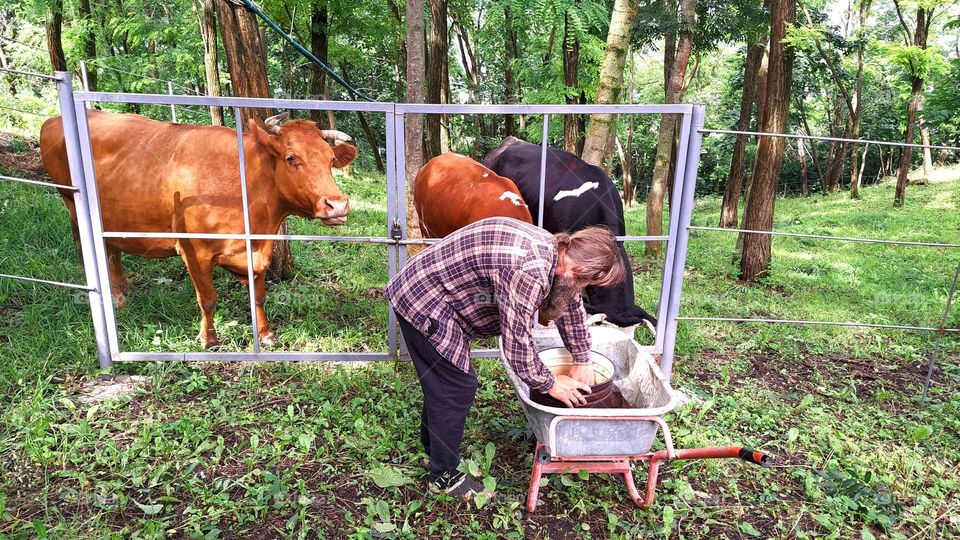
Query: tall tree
[[596, 145], [915, 43], [855, 170], [511, 84], [247, 62], [572, 123], [731, 192], [759, 211], [665, 137], [319, 46], [54, 29], [89, 42], [208, 31], [401, 65], [413, 125], [437, 78]]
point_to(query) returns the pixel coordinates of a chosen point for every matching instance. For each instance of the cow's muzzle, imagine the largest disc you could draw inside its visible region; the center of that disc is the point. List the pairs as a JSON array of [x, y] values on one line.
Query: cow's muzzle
[[334, 210]]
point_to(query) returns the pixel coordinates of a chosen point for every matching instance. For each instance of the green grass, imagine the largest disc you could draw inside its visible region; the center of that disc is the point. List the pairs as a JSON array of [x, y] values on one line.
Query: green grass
[[216, 450]]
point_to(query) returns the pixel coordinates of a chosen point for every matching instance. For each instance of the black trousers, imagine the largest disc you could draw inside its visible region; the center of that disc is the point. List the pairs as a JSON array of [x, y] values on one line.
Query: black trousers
[[448, 393]]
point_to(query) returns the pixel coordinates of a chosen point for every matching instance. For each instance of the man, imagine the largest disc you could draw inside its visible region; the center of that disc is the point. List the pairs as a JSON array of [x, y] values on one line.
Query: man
[[486, 279]]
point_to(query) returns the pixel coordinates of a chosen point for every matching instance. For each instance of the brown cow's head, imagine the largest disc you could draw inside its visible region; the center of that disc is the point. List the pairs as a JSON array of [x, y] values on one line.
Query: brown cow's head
[[304, 164]]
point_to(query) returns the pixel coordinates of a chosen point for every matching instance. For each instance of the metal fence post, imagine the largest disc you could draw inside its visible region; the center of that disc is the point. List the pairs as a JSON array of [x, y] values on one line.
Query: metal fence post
[[392, 229], [545, 135], [95, 296], [683, 235], [400, 217], [85, 79], [251, 283], [173, 108], [663, 330]]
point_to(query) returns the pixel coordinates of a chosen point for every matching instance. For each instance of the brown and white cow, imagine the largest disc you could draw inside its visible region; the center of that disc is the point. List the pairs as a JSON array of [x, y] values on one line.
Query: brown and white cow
[[452, 191], [162, 177]]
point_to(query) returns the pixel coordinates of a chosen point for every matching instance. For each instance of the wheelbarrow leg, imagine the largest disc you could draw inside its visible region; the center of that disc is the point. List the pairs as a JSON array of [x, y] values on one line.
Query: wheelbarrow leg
[[632, 487], [533, 493]]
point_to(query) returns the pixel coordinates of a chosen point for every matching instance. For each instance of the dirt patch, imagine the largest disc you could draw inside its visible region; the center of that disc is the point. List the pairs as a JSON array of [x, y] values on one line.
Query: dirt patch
[[811, 374], [98, 391], [22, 155]]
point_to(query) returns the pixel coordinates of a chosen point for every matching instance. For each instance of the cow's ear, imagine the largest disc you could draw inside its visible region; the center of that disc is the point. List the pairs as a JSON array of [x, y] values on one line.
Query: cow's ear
[[343, 155], [263, 138]]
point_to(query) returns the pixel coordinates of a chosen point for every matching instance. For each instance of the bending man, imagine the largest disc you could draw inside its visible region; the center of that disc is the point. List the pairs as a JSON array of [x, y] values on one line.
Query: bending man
[[489, 279]]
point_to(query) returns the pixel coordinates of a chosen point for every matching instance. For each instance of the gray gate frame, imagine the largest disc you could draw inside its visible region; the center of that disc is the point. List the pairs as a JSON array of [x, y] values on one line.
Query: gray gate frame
[[79, 150]]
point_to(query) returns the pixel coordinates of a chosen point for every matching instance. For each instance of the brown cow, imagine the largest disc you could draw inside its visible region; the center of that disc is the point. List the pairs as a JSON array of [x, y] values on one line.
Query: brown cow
[[162, 177], [453, 191]]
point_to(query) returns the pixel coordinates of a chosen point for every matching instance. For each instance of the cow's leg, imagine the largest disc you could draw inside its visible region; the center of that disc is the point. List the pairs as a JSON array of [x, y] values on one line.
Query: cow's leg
[[118, 278], [201, 274], [267, 337]]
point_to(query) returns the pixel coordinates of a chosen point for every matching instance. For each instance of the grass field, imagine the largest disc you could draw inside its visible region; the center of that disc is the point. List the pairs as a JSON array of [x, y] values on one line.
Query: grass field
[[227, 451]]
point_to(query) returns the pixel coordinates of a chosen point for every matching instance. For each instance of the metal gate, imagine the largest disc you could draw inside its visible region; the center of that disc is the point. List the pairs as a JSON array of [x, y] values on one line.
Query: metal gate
[[395, 237]]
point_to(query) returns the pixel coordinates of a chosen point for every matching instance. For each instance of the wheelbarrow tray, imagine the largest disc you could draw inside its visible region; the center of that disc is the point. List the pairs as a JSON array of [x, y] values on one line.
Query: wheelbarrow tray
[[602, 432]]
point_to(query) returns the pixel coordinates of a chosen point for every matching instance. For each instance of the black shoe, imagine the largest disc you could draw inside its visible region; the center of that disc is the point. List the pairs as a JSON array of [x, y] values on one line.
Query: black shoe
[[457, 485]]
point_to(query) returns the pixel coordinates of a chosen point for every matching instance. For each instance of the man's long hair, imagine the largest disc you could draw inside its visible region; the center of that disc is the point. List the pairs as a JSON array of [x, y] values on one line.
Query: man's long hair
[[595, 252]]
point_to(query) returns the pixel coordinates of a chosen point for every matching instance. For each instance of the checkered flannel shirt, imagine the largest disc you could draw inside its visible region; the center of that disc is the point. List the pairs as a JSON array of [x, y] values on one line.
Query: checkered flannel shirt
[[486, 279]]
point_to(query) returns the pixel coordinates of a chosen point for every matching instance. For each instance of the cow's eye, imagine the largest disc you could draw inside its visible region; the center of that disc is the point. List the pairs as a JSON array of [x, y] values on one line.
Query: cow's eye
[[292, 159]]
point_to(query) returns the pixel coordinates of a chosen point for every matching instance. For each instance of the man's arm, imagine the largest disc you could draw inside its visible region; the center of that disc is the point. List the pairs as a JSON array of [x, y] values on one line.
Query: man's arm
[[518, 295], [573, 331]]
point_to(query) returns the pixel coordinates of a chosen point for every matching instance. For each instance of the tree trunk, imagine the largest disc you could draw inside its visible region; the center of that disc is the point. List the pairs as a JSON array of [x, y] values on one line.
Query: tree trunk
[[367, 132], [661, 168], [247, 63], [731, 192], [89, 42], [625, 164], [755, 260], [919, 39], [855, 185], [4, 63], [319, 46], [54, 29], [413, 125], [208, 31], [436, 76], [802, 155], [246, 55], [925, 140], [510, 85], [595, 145], [401, 68], [906, 155], [857, 100], [571, 65], [628, 154]]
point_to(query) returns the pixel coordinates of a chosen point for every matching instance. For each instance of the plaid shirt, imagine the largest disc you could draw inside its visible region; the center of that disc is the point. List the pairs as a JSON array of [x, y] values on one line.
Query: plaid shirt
[[486, 279]]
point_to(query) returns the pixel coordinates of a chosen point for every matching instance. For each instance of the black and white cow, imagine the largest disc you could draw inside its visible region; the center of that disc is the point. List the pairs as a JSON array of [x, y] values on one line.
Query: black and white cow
[[577, 195]]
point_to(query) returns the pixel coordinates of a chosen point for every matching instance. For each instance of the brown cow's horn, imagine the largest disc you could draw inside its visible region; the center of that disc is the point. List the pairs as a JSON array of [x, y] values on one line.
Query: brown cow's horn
[[273, 123], [335, 135]]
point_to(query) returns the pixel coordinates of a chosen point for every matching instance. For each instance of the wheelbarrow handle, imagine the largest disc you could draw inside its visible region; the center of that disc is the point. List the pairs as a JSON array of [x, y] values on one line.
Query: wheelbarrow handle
[[752, 456], [721, 452]]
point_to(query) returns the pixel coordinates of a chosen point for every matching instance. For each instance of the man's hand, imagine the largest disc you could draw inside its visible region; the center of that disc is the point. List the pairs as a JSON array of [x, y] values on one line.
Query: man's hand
[[568, 391], [583, 373]]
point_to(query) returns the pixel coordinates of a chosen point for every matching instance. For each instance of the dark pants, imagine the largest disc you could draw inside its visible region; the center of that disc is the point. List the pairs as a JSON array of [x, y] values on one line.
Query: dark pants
[[448, 394]]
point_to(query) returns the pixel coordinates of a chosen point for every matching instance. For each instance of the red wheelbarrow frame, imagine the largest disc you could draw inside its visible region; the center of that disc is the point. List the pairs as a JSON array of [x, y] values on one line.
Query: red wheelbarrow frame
[[545, 463]]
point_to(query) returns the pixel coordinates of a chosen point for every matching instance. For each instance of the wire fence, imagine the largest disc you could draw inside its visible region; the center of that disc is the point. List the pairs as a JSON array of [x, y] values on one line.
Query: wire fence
[[684, 209], [101, 65]]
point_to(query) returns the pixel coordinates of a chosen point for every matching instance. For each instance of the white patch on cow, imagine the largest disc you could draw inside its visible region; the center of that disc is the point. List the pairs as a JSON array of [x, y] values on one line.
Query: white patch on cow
[[486, 174], [512, 197], [586, 186]]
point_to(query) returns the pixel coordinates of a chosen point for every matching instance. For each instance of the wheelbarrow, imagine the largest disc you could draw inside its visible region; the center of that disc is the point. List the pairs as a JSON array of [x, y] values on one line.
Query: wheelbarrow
[[610, 440]]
